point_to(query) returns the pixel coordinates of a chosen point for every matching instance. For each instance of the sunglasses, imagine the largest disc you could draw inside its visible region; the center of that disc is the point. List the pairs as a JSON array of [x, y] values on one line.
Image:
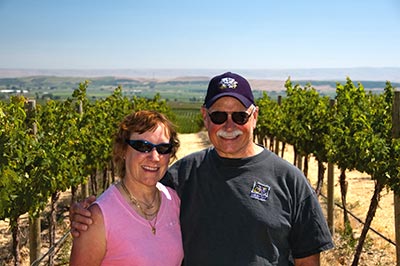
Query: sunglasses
[[146, 146], [239, 118]]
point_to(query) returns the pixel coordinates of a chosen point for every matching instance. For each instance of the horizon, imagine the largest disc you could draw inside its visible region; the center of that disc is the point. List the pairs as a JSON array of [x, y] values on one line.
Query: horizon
[[391, 74], [262, 34]]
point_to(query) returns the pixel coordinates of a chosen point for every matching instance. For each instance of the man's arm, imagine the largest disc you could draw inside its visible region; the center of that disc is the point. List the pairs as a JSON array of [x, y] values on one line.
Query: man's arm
[[79, 216], [312, 260]]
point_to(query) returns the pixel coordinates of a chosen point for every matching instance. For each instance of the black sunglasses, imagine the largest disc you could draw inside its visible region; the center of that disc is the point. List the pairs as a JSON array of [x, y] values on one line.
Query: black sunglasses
[[146, 146], [239, 118]]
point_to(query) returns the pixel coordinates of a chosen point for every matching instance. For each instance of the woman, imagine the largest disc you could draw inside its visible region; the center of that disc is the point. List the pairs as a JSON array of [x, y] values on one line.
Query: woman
[[136, 221]]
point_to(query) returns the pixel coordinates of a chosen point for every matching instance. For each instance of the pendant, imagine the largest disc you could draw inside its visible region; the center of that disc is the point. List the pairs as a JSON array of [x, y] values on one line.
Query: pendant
[[153, 230]]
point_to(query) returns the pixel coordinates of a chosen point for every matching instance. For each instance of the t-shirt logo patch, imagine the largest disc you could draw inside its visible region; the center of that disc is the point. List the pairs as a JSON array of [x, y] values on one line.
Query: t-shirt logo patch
[[260, 191]]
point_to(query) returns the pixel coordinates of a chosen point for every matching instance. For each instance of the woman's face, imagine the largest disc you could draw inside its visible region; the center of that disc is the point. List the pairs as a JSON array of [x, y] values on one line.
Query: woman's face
[[147, 168]]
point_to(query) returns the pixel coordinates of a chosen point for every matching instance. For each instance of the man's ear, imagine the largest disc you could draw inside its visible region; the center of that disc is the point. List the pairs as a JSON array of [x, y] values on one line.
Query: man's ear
[[255, 115]]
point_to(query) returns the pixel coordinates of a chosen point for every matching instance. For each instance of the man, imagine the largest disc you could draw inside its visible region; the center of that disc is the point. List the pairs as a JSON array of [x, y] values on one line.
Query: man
[[240, 203]]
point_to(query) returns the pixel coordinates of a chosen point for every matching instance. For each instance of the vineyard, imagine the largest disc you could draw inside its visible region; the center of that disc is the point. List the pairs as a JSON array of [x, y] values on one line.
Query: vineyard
[[65, 145], [355, 131]]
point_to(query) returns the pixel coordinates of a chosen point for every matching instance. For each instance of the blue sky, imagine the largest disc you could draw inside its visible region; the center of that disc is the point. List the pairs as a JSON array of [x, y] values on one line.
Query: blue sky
[[255, 34]]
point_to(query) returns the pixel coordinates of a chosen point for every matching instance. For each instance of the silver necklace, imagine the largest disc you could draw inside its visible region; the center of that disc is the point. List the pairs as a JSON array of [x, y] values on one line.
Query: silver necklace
[[137, 204]]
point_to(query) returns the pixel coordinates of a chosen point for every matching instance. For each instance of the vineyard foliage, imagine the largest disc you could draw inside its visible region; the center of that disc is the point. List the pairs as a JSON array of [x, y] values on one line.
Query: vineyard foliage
[[73, 141], [353, 133], [74, 137]]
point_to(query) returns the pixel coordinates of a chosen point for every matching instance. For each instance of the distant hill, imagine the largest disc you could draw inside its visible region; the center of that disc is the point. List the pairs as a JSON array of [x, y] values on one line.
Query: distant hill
[[334, 74], [183, 85]]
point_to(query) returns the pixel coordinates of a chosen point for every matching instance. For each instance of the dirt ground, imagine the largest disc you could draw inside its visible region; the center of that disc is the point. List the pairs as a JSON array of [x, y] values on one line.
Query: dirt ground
[[377, 251]]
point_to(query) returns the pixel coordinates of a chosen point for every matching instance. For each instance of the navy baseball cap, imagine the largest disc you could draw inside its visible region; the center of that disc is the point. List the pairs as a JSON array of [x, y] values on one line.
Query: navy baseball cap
[[229, 84]]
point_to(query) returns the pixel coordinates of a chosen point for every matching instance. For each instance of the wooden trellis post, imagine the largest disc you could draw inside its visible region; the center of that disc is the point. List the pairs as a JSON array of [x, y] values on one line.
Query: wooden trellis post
[[396, 134], [276, 139], [35, 242], [331, 191], [84, 186]]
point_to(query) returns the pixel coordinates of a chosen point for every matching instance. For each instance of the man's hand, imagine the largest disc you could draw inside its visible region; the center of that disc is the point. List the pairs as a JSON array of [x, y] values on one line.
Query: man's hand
[[79, 216]]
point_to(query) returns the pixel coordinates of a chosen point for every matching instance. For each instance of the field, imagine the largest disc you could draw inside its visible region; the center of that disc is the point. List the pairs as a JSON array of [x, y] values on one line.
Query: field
[[180, 89], [188, 116], [376, 251]]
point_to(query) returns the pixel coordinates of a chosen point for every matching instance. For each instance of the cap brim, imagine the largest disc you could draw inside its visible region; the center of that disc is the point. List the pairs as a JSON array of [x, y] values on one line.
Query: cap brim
[[246, 102]]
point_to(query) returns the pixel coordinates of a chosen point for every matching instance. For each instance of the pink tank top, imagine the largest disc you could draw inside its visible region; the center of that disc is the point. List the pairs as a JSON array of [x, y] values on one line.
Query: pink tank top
[[130, 240]]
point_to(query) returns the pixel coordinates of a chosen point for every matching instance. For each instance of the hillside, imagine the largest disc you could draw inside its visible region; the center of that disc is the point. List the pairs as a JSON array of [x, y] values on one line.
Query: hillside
[[180, 88], [356, 73]]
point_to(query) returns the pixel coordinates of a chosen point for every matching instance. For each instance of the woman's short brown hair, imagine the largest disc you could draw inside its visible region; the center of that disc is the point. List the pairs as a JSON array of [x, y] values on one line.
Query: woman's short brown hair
[[140, 122]]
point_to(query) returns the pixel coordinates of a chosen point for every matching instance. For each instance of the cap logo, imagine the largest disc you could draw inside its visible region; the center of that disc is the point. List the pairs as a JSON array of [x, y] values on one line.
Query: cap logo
[[228, 83]]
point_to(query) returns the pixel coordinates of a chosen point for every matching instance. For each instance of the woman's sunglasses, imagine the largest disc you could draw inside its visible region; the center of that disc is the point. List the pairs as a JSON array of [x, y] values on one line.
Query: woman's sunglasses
[[239, 118], [146, 146]]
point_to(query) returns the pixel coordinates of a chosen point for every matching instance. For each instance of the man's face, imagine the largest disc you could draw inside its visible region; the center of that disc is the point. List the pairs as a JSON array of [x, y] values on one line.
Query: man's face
[[230, 139]]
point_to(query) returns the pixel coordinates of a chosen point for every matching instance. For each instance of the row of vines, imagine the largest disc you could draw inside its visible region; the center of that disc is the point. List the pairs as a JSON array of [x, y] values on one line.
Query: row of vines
[[61, 145], [54, 147], [353, 131]]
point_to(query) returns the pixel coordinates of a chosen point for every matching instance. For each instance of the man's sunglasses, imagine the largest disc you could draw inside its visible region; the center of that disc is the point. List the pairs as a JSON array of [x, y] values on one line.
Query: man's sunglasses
[[146, 146], [239, 118]]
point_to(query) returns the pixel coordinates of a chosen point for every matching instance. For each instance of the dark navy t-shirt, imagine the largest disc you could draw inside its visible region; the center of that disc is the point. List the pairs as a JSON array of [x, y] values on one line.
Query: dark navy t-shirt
[[259, 210]]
